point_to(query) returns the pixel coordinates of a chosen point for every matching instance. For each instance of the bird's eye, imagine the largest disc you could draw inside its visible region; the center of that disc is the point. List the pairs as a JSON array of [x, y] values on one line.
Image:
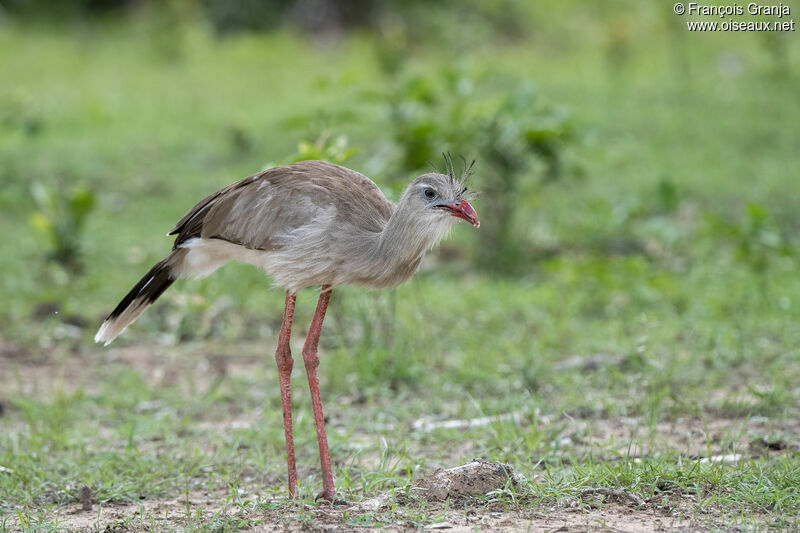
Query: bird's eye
[[430, 194]]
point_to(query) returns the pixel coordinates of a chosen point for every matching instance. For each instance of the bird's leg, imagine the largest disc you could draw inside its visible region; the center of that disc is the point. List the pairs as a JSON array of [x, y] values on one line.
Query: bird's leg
[[311, 359], [283, 356]]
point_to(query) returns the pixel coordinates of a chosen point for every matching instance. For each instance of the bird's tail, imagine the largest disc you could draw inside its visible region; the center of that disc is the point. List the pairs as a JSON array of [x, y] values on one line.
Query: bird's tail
[[141, 296]]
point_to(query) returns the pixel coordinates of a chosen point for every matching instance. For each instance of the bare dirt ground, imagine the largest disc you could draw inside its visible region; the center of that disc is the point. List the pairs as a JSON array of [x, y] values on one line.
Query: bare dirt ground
[[610, 511], [611, 518]]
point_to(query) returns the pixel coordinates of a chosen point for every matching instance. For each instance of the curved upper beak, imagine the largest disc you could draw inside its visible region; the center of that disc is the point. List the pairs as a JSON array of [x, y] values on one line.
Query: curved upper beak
[[462, 210]]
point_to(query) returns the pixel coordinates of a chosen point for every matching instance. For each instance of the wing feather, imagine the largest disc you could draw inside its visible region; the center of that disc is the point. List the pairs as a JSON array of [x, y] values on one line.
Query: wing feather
[[261, 211]]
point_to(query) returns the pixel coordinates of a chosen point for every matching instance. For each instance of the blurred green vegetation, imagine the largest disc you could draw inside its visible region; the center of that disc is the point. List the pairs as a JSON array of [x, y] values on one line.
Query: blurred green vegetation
[[639, 190], [631, 138]]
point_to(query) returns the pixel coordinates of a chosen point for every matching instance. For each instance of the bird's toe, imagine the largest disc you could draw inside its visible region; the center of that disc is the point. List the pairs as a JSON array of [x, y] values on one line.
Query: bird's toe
[[331, 499]]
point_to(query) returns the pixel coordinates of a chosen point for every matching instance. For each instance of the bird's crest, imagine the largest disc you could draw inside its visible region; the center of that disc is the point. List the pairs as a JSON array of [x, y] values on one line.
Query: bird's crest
[[459, 182]]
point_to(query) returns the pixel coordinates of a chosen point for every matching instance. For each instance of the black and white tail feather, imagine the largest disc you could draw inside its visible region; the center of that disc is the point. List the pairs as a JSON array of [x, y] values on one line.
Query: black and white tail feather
[[141, 296]]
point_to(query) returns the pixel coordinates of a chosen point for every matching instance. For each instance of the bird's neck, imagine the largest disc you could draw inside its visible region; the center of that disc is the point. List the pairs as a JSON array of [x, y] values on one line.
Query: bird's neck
[[405, 239]]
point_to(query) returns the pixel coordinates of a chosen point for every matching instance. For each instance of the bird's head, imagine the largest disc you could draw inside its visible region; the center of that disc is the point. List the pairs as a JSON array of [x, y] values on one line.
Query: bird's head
[[443, 195]]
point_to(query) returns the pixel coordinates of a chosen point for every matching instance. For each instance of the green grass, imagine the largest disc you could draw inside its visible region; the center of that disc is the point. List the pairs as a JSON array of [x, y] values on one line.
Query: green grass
[[656, 327]]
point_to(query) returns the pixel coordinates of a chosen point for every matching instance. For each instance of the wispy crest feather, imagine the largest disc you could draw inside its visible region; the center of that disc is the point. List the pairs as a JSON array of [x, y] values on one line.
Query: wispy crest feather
[[459, 182]]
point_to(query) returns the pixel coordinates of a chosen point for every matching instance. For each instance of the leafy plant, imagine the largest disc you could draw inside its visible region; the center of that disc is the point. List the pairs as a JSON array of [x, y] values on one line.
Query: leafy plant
[[519, 140], [326, 148], [758, 240], [61, 218]]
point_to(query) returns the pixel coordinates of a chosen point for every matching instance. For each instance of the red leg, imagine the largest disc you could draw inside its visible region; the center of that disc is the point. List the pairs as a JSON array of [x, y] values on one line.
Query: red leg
[[311, 359], [283, 356]]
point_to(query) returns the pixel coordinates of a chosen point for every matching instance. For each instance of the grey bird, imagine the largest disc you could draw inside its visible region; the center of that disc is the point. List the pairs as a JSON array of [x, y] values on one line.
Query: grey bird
[[307, 224]]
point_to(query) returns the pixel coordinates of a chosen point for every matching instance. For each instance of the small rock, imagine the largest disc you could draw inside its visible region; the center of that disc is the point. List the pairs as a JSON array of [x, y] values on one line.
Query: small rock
[[727, 458], [440, 525], [85, 498], [472, 479], [373, 504]]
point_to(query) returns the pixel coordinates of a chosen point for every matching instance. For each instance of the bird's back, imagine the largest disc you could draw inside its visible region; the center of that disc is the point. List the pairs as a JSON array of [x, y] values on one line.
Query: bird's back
[[300, 222]]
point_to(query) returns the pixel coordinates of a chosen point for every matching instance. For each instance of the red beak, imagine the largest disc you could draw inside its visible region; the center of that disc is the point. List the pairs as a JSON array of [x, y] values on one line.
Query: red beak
[[463, 210]]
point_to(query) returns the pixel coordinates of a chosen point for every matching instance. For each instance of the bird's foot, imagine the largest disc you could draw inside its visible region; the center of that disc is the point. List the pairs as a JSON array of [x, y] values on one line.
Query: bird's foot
[[331, 499]]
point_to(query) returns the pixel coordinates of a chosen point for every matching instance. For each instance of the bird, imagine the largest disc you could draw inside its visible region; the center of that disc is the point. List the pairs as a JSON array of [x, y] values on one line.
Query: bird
[[307, 224]]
